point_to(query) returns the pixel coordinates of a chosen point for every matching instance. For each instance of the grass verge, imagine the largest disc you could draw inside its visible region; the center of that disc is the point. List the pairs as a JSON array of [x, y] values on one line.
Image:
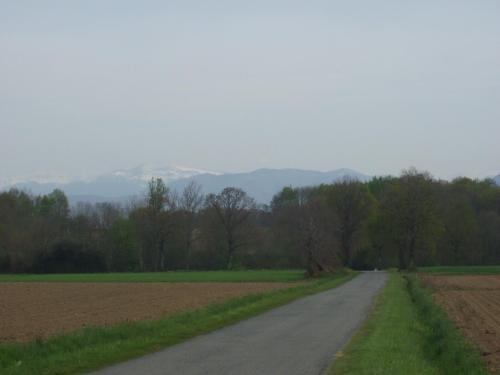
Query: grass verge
[[463, 270], [174, 276], [408, 334], [391, 341], [446, 345], [93, 348]]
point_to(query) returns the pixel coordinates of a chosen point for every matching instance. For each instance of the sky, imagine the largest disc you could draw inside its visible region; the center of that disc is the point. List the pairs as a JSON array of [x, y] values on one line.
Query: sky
[[89, 86]]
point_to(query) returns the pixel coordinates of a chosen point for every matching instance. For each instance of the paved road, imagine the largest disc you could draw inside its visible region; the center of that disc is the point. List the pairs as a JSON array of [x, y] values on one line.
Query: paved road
[[296, 339]]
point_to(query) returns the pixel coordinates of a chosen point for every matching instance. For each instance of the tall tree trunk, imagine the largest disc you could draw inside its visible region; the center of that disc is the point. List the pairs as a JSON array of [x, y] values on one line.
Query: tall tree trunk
[[189, 236], [188, 255], [411, 255], [161, 255], [402, 255], [230, 248]]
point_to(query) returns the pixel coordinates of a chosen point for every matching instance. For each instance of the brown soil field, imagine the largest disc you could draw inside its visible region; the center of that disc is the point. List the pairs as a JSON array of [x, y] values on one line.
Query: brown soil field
[[39, 310], [473, 303]]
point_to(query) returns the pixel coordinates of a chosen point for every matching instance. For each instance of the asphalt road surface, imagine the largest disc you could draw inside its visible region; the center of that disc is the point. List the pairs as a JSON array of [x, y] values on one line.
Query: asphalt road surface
[[296, 339]]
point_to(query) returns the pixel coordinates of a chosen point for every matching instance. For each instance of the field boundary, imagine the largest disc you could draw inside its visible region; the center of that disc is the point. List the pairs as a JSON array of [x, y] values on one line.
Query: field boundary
[[240, 276], [447, 345], [93, 348], [389, 341], [406, 332], [461, 270]]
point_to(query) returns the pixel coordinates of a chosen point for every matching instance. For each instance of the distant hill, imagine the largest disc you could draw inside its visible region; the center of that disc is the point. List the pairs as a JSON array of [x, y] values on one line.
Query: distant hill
[[497, 180], [117, 185], [261, 184]]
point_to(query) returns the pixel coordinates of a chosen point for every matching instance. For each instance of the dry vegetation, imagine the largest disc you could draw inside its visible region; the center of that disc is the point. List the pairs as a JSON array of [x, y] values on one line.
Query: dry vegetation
[[473, 303], [40, 310]]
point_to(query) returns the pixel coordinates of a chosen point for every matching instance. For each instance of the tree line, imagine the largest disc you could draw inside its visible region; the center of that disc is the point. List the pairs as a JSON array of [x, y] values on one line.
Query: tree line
[[405, 222]]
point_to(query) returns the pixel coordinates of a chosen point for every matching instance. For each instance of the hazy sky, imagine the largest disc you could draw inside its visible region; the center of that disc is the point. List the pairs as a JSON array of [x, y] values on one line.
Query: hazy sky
[[90, 86]]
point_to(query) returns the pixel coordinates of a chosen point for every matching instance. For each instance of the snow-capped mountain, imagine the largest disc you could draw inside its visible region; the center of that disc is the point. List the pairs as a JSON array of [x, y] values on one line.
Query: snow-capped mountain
[[121, 184], [145, 172], [117, 184]]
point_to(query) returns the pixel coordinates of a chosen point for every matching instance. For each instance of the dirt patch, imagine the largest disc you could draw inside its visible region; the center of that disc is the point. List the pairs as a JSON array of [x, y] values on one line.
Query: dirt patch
[[473, 303], [39, 310], [466, 282]]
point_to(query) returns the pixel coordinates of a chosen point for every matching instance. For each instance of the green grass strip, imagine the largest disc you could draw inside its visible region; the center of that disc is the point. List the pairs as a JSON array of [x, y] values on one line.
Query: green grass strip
[[446, 344], [391, 341], [463, 270], [173, 276], [407, 334], [93, 348]]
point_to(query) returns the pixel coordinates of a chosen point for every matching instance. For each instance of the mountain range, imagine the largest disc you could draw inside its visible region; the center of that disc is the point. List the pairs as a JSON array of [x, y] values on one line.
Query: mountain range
[[122, 184], [497, 180], [263, 184]]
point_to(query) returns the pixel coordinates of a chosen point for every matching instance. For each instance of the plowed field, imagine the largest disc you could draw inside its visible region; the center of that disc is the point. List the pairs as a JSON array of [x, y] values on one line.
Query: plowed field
[[473, 303], [38, 310]]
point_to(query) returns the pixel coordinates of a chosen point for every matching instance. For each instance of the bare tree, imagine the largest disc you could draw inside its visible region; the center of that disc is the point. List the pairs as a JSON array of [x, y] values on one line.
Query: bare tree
[[190, 202], [317, 239], [233, 207], [303, 220], [160, 205], [107, 213]]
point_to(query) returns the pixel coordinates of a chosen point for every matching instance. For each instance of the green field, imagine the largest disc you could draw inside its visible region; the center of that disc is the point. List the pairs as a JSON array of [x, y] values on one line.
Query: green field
[[408, 334], [463, 270], [174, 276], [92, 348]]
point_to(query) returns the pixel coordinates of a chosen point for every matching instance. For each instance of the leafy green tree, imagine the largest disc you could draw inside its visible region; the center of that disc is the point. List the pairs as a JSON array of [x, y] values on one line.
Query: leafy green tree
[[53, 205], [124, 246], [285, 226], [51, 220], [16, 235], [460, 227], [352, 204], [410, 208], [489, 235]]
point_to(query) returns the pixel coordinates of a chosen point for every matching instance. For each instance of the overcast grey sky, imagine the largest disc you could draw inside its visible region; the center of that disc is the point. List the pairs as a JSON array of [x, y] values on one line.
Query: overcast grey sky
[[90, 86]]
